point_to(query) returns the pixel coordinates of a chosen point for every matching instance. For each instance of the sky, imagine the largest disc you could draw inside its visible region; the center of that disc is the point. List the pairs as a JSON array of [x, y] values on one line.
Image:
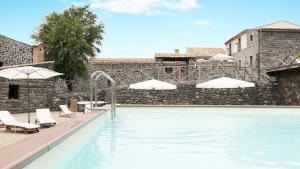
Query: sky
[[140, 28]]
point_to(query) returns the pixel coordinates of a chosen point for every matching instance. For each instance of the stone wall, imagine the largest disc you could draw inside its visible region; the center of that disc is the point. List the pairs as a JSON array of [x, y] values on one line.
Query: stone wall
[[190, 95], [275, 46], [289, 87], [132, 72], [41, 95], [13, 52]]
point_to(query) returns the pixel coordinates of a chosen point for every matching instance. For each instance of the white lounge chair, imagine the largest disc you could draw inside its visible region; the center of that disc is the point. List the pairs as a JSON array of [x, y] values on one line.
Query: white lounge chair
[[65, 112], [11, 123], [44, 118], [87, 108]]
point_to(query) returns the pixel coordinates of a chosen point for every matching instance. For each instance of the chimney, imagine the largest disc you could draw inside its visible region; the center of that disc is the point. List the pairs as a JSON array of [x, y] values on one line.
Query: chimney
[[38, 53], [176, 51]]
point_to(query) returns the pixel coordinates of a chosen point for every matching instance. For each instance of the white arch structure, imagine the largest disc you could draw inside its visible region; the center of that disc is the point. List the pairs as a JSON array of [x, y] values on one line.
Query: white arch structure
[[94, 87]]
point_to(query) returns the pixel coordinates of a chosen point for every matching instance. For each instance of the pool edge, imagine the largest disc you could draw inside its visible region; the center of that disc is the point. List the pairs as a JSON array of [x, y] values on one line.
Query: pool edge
[[211, 106], [28, 157]]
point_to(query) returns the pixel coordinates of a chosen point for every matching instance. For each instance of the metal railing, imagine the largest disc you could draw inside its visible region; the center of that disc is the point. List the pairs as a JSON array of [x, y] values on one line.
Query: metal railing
[[94, 88]]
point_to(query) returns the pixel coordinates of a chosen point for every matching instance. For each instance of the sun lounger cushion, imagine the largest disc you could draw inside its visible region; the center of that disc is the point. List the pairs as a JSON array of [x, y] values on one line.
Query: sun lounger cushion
[[66, 111], [43, 116], [9, 120], [27, 125]]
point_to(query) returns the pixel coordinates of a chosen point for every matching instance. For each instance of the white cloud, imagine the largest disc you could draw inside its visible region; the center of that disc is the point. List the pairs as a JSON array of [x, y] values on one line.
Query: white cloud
[[204, 22], [144, 6]]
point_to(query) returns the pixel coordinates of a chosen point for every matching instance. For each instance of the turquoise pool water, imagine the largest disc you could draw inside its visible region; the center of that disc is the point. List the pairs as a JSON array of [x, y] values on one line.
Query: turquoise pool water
[[183, 138]]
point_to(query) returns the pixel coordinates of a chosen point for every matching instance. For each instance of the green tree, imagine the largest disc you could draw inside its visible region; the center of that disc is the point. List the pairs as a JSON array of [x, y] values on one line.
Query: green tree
[[70, 38]]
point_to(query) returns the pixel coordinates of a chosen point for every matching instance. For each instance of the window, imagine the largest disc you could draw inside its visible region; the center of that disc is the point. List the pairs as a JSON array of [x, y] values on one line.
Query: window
[[251, 38], [169, 70], [13, 92], [1, 64], [239, 45], [229, 50], [108, 83], [251, 61]]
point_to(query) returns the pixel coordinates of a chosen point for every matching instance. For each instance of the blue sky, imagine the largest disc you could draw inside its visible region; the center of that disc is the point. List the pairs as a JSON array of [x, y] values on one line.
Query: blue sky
[[139, 28]]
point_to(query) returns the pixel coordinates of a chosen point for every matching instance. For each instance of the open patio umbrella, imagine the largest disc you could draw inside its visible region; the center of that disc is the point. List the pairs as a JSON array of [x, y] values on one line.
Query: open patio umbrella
[[221, 57], [28, 72], [225, 82], [201, 60], [153, 84]]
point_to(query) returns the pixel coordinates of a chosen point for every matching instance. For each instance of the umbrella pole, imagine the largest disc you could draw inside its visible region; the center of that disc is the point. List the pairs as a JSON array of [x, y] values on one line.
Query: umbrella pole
[[28, 106]]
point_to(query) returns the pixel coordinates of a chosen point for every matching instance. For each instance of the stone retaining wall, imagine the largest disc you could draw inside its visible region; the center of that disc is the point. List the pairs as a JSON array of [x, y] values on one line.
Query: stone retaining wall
[[190, 95]]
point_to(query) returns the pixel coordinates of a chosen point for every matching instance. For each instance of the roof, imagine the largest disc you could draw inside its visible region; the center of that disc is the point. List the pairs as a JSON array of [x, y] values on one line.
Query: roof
[[14, 40], [280, 25], [275, 26], [30, 64], [198, 52], [37, 44], [276, 70], [171, 55], [124, 60]]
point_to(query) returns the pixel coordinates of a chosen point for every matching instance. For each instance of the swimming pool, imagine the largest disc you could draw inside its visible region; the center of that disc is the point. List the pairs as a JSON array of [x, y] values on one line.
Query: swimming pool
[[183, 138]]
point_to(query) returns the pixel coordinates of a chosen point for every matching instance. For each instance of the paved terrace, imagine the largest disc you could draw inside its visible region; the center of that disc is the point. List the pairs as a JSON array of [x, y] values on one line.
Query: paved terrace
[[16, 147]]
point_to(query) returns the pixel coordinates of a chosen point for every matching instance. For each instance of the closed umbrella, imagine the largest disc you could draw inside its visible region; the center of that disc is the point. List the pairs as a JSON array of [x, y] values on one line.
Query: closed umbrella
[[28, 72]]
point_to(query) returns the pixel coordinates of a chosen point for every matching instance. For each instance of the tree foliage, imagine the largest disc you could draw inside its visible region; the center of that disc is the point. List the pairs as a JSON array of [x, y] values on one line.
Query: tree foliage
[[70, 38]]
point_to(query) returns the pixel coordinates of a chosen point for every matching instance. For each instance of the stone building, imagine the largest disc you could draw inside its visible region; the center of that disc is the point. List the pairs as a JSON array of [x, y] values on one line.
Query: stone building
[[288, 83], [178, 64], [13, 93], [266, 46], [13, 52]]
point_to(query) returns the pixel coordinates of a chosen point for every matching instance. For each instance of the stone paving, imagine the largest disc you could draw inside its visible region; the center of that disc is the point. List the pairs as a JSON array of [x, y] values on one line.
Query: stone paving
[[8, 137]]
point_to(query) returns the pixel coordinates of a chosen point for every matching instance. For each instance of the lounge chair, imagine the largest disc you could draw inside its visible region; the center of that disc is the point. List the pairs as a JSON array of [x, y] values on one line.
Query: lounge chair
[[87, 108], [65, 112], [11, 123], [44, 118]]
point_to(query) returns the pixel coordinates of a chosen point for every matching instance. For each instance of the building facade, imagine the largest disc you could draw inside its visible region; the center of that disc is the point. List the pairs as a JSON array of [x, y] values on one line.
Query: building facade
[[266, 46]]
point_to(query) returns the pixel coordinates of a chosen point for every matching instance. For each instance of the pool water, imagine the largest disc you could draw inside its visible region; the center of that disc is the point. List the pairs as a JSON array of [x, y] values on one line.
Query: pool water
[[183, 138]]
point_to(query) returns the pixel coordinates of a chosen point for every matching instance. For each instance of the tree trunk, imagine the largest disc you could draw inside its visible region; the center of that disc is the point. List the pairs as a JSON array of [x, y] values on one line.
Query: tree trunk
[[69, 85]]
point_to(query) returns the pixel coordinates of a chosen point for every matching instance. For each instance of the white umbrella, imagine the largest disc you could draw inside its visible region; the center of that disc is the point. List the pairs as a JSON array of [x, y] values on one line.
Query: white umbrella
[[201, 60], [153, 84], [28, 72], [225, 82], [221, 57]]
